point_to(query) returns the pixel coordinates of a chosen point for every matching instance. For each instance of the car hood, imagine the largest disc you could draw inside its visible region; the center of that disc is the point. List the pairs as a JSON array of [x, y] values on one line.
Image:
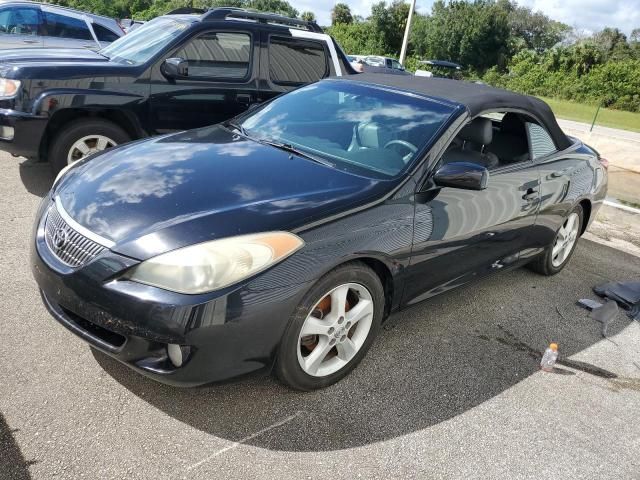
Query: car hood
[[156, 195]]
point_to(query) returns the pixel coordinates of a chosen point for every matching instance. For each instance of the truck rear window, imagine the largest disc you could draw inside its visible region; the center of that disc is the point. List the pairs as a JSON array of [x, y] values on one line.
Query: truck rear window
[[295, 62]]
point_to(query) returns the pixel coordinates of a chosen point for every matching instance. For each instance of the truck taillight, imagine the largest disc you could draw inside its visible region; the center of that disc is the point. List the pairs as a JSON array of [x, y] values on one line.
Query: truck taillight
[[604, 162]]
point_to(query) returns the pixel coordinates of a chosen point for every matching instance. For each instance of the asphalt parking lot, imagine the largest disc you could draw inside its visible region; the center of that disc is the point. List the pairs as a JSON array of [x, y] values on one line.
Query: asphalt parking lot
[[450, 389]]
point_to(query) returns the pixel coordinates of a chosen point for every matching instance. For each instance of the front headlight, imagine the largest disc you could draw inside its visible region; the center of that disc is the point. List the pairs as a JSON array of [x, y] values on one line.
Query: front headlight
[[210, 266], [9, 88]]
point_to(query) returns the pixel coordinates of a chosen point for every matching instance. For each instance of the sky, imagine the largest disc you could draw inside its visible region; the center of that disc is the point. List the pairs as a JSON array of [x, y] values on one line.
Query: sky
[[589, 15]]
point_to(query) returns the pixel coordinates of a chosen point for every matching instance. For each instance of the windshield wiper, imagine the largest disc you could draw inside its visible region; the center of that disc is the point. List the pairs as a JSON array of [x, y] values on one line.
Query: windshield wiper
[[238, 127], [103, 55], [287, 147]]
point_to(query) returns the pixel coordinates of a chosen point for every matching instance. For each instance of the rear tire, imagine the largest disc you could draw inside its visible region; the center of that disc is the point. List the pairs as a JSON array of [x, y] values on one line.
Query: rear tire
[[91, 134], [341, 335], [557, 255]]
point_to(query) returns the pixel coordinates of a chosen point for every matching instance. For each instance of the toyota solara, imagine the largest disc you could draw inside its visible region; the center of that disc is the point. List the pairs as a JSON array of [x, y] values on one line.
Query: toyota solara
[[281, 240]]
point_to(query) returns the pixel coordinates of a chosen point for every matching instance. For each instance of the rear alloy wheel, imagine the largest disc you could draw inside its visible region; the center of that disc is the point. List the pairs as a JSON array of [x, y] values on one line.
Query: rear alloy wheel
[[565, 240], [557, 255], [333, 328]]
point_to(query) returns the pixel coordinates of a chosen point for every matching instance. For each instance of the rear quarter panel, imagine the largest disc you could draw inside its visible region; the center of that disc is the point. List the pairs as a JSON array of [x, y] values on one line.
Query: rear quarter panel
[[567, 178]]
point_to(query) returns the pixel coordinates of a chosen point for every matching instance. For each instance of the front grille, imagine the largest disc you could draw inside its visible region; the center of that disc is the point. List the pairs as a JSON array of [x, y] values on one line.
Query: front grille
[[71, 248]]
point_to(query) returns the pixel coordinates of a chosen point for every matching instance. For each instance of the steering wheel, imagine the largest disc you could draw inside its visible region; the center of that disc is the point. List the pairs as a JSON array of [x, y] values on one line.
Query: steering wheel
[[403, 143]]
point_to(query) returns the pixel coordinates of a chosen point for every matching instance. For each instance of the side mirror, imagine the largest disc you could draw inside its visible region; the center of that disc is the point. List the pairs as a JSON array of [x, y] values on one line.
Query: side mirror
[[465, 175], [175, 68]]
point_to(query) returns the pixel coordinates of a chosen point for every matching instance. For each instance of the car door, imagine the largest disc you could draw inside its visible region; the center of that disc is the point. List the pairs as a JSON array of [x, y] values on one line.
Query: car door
[[461, 235], [221, 81], [291, 61], [21, 27], [67, 30]]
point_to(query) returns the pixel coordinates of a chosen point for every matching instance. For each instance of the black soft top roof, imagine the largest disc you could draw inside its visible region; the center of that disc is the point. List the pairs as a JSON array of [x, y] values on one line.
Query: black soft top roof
[[475, 97]]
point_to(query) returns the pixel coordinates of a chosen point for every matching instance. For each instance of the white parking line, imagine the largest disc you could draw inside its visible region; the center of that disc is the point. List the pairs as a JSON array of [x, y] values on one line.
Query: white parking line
[[244, 440], [621, 206]]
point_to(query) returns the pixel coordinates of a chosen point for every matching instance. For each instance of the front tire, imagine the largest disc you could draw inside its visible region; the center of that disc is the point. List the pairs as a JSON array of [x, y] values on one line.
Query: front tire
[[558, 254], [332, 328], [84, 137]]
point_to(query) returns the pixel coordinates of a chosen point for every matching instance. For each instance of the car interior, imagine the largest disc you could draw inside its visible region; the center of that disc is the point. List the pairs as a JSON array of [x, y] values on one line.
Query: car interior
[[491, 141]]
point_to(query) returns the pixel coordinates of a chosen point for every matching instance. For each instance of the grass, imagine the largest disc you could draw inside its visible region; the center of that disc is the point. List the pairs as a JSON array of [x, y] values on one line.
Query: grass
[[581, 112]]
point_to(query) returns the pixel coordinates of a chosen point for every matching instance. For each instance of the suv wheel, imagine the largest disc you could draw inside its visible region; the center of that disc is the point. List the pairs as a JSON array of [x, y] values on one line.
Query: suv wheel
[[82, 138]]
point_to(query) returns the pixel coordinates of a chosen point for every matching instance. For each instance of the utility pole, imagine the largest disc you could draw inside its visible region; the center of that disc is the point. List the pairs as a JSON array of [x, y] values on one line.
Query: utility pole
[[407, 30]]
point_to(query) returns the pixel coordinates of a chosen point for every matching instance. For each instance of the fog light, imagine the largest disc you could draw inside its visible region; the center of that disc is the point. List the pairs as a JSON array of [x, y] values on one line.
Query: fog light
[[177, 354], [6, 133]]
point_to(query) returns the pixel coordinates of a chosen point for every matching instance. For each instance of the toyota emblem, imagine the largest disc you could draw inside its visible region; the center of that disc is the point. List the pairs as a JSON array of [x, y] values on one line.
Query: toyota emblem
[[60, 238]]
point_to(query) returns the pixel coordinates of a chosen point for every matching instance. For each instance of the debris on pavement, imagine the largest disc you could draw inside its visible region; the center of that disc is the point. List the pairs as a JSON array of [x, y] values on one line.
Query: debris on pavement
[[589, 304], [625, 294], [605, 314]]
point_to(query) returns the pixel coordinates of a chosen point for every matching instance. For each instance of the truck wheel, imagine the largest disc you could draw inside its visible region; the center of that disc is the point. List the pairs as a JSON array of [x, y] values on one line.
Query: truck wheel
[[82, 138]]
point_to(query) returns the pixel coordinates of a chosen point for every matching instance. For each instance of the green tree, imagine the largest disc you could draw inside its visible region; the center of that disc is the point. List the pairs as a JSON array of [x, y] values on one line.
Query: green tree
[[281, 7], [308, 16], [536, 30], [341, 13], [473, 34]]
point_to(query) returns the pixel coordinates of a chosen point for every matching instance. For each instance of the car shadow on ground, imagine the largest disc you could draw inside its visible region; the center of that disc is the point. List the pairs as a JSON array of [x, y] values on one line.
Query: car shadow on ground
[[12, 463], [37, 177], [429, 364]]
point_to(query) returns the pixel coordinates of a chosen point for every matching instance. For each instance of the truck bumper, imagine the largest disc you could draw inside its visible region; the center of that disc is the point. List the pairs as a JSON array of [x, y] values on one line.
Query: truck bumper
[[21, 133]]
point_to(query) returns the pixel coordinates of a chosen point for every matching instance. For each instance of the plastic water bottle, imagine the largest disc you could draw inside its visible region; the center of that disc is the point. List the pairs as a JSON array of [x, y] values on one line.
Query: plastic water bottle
[[549, 358]]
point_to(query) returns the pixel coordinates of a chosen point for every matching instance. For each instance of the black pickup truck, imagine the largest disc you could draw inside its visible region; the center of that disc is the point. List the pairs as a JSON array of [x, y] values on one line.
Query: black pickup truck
[[174, 73]]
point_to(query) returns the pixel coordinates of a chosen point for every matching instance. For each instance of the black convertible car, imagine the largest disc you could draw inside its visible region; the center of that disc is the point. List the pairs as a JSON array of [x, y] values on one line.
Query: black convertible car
[[284, 238]]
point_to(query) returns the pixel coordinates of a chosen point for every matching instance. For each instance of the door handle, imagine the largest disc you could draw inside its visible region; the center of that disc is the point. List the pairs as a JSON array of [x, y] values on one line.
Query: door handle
[[31, 41], [531, 195]]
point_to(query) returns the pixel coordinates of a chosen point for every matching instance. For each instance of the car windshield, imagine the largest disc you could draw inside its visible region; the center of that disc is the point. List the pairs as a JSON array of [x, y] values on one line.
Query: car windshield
[[365, 129], [143, 43]]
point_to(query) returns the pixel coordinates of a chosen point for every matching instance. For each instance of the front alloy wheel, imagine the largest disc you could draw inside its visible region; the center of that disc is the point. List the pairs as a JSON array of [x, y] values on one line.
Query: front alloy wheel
[[332, 328], [335, 330], [89, 145]]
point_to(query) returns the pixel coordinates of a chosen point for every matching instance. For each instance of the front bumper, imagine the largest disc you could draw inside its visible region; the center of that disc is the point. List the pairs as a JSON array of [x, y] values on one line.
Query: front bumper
[[28, 131], [229, 333]]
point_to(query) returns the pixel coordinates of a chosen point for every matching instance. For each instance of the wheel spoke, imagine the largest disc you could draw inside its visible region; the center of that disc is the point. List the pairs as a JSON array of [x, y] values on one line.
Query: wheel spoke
[[347, 349], [83, 147], [339, 301], [315, 326], [103, 143], [556, 249], [361, 310], [318, 354]]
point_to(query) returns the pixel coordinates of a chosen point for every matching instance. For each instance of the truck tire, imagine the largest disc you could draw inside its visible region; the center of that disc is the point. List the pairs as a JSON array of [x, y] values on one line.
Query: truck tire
[[84, 137]]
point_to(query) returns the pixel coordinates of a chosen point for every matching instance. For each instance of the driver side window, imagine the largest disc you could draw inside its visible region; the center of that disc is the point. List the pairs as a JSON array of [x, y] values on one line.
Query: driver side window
[[220, 56]]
